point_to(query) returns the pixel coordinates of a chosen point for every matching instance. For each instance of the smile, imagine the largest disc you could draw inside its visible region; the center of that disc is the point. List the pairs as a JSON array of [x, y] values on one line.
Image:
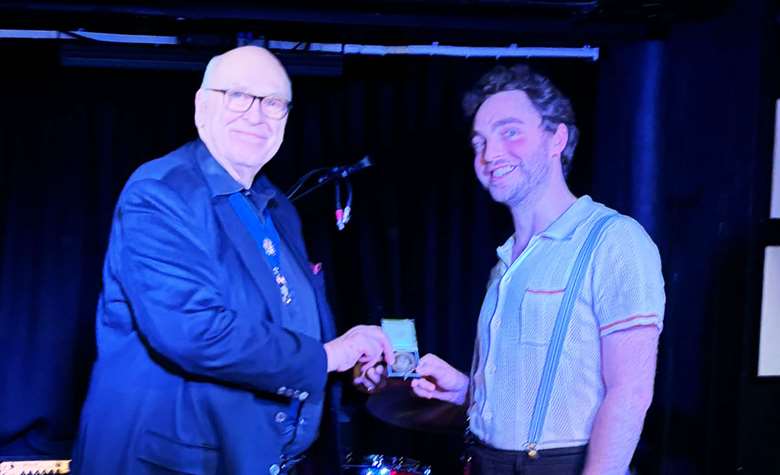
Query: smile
[[249, 136], [501, 171]]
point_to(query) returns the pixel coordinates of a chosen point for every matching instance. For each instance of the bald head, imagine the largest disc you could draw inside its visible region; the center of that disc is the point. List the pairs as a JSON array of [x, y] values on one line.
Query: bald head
[[242, 141], [246, 61]]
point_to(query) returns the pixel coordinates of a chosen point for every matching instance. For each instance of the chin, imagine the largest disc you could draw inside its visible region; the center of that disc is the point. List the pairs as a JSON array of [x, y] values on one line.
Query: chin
[[252, 158], [498, 196]]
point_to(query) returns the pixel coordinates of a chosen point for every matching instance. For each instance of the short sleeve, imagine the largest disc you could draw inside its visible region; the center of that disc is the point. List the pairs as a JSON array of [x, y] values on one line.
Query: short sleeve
[[628, 286]]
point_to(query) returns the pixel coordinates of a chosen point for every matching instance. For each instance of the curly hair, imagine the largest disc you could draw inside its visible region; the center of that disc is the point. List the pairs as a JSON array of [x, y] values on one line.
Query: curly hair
[[554, 107]]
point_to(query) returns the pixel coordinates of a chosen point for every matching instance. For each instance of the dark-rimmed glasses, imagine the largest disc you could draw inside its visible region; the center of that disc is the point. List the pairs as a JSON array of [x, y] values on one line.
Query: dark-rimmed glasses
[[238, 101]]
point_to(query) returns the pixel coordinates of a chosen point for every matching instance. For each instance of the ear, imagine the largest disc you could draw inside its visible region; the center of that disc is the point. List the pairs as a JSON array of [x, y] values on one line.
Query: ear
[[559, 139], [201, 107]]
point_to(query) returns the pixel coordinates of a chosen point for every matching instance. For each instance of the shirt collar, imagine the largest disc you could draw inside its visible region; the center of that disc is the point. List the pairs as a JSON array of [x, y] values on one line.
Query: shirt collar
[[221, 183], [262, 193], [567, 223], [504, 251], [561, 229]]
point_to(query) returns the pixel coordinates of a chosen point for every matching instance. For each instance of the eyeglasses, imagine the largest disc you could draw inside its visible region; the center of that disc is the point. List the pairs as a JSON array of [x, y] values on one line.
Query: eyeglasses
[[238, 101]]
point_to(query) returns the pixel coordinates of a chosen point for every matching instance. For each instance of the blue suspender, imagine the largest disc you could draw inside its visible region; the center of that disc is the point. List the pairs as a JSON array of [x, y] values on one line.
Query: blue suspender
[[266, 236], [573, 287]]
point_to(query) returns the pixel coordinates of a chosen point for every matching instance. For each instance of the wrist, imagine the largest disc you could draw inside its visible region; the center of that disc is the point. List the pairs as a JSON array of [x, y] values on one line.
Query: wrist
[[463, 389], [329, 357]]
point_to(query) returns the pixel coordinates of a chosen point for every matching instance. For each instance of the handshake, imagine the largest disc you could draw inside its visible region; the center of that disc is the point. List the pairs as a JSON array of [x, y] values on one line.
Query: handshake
[[367, 349]]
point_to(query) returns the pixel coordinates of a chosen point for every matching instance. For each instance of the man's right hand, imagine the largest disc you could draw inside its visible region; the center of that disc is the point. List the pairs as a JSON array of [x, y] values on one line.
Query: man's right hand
[[361, 344], [440, 381]]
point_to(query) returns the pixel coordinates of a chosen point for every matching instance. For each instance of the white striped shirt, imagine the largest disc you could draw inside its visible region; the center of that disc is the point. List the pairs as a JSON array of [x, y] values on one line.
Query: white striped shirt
[[622, 287]]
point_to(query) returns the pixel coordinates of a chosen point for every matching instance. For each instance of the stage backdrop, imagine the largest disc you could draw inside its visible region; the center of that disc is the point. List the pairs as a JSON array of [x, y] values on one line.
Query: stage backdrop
[[668, 137]]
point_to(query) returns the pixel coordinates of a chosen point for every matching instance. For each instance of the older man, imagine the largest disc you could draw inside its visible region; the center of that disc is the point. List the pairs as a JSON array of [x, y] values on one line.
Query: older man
[[211, 323], [555, 389]]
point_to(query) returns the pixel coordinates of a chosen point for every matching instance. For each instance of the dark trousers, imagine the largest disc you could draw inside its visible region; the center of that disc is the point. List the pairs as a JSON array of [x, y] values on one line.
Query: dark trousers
[[486, 460]]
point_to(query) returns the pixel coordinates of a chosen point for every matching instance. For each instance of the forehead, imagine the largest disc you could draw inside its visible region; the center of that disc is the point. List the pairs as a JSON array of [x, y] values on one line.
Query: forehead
[[256, 73], [505, 105]]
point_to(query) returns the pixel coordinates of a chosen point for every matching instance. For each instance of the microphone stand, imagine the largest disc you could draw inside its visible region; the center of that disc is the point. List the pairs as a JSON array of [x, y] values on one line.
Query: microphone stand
[[326, 176]]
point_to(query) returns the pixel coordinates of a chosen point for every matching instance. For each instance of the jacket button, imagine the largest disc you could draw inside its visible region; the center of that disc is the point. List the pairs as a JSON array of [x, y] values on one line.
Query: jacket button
[[288, 393], [280, 417], [274, 469], [296, 393], [303, 395], [281, 390]]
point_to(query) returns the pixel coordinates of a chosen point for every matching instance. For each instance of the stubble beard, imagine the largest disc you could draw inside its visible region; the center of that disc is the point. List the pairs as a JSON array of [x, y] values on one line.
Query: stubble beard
[[533, 173]]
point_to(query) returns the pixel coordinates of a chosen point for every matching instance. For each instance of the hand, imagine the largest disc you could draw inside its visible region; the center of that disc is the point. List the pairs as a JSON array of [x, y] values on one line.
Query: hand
[[361, 344], [368, 377], [440, 381]]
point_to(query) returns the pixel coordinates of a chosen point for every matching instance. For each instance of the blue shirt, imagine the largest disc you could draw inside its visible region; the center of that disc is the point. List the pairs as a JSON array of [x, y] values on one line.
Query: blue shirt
[[300, 316]]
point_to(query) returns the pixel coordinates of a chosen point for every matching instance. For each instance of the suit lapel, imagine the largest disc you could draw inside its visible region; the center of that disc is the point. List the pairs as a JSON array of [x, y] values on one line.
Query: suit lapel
[[250, 254]]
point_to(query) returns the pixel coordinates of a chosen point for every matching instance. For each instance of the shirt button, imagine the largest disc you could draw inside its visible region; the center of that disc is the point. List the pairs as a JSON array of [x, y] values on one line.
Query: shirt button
[[487, 415], [274, 469], [491, 368], [280, 417], [303, 396]]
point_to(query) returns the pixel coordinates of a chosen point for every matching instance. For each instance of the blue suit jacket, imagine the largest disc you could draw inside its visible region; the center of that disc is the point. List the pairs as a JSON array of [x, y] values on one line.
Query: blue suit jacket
[[193, 363]]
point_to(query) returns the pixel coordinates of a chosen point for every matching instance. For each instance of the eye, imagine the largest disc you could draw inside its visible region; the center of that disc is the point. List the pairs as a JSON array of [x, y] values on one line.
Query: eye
[[274, 102], [511, 133], [478, 144], [237, 95]]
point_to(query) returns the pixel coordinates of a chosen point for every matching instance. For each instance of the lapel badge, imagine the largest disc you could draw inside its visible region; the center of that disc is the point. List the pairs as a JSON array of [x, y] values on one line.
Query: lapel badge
[[268, 247]]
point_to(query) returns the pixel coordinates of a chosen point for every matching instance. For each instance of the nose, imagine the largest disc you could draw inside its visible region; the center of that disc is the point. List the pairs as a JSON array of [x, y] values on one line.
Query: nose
[[492, 151]]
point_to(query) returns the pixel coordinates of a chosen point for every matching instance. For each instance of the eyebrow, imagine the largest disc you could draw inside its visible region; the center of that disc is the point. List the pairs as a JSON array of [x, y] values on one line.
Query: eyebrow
[[499, 123], [507, 120]]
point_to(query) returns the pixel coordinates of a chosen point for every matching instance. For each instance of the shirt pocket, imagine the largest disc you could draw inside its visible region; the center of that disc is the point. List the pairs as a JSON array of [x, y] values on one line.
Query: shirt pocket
[[538, 313]]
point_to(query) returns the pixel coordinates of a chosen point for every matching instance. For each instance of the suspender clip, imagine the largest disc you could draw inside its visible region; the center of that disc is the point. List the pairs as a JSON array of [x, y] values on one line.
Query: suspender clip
[[533, 454]]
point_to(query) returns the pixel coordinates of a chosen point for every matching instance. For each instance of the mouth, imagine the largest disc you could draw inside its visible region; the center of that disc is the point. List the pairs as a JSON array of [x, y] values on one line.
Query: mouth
[[249, 136], [501, 172]]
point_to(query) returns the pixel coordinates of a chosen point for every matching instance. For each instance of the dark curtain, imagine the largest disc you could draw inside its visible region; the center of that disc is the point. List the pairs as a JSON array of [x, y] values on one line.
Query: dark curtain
[[684, 144]]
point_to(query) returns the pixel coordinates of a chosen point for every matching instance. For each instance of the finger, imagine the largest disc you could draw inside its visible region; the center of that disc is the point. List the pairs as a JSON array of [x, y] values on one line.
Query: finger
[[432, 360], [387, 348], [379, 336], [369, 347], [432, 365], [365, 367], [423, 384], [363, 383], [420, 392], [424, 361], [425, 369], [368, 361], [373, 376]]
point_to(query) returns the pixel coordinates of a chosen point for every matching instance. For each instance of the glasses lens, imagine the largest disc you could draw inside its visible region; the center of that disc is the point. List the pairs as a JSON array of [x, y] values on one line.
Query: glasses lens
[[238, 101], [274, 107]]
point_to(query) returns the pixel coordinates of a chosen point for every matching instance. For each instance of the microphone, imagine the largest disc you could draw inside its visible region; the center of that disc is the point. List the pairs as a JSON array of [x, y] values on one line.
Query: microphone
[[345, 170]]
